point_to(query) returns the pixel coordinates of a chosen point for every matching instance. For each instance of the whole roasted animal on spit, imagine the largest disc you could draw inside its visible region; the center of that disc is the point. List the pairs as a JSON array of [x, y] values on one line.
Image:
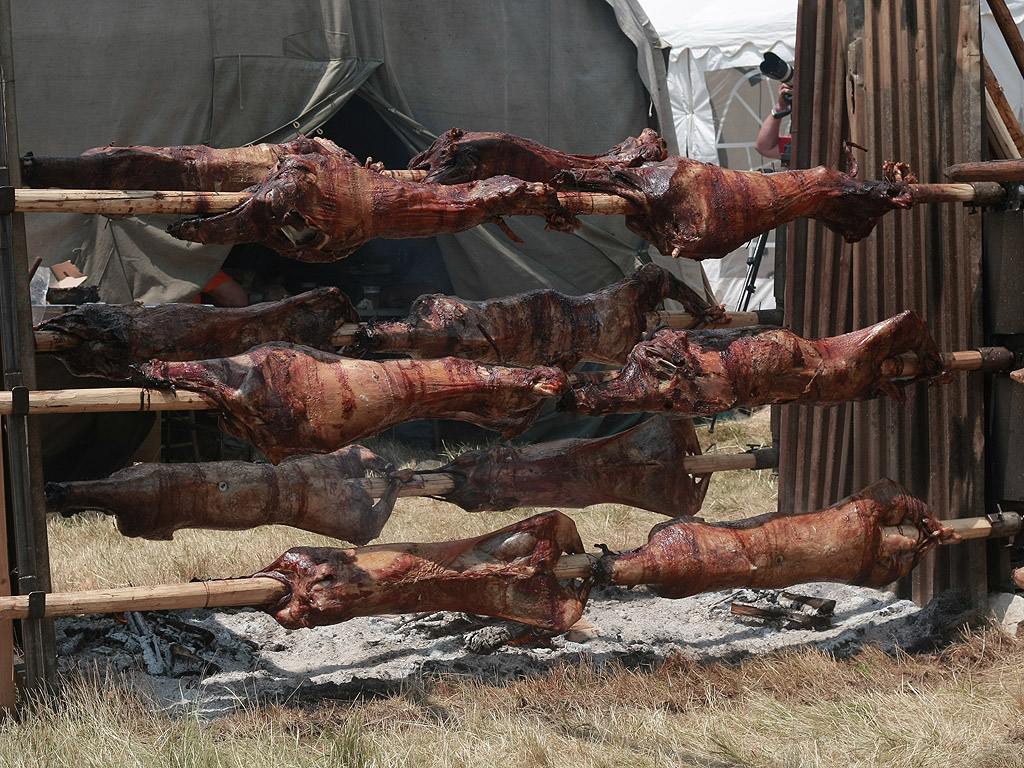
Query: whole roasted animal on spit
[[542, 327], [455, 157], [712, 371], [844, 543], [287, 399], [516, 572], [315, 493], [459, 156], [106, 339], [507, 574], [194, 167], [329, 494], [324, 206], [701, 211], [641, 467]]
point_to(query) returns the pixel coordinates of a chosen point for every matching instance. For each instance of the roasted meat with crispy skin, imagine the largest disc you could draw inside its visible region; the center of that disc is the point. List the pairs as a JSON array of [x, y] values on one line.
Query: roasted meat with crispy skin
[[641, 467], [193, 167], [542, 327], [314, 493], [706, 372], [106, 339], [506, 574], [702, 211], [288, 400], [322, 207], [459, 156], [843, 543]]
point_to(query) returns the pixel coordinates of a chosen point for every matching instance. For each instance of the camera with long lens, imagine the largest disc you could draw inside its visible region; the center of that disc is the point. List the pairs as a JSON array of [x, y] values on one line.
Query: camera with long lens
[[778, 68]]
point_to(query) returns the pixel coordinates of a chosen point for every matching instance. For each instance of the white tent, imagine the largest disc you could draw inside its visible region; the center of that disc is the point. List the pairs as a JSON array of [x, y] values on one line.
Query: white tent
[[719, 100], [999, 58]]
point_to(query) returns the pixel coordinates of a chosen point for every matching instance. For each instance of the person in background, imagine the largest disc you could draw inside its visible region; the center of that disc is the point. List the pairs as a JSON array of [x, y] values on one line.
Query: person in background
[[223, 291], [769, 143]]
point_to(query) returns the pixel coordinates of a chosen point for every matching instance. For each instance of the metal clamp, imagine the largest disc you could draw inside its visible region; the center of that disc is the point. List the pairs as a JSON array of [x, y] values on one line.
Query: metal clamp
[[19, 401], [36, 605], [1014, 195], [6, 200]]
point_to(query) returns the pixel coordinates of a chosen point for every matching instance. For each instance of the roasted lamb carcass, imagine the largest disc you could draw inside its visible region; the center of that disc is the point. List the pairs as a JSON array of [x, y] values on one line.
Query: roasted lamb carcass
[[844, 543], [288, 400], [702, 211], [707, 372], [193, 167], [322, 207], [506, 574], [106, 339], [315, 493], [460, 156], [641, 467], [542, 327]]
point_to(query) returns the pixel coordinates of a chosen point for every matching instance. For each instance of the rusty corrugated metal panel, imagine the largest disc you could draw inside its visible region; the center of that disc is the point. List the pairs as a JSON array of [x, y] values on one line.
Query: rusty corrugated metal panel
[[903, 80]]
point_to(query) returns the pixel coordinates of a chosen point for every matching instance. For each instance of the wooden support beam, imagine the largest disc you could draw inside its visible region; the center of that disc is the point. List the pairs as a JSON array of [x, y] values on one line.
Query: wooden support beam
[[262, 590], [1000, 115], [1010, 32], [987, 170]]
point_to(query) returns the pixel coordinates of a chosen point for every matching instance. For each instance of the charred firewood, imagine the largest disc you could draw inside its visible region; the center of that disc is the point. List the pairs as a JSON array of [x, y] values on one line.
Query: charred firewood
[[542, 327], [506, 574]]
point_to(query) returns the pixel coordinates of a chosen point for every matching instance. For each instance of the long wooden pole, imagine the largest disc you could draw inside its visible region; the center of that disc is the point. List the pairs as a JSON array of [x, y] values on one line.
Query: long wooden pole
[[126, 399], [1004, 19], [130, 203], [262, 590]]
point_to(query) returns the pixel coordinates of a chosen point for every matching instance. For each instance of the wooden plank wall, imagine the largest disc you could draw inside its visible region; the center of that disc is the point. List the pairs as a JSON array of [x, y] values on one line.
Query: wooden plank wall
[[904, 81]]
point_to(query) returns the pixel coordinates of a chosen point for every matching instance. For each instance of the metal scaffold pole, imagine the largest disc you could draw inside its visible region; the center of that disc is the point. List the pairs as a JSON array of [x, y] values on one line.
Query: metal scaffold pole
[[32, 561]]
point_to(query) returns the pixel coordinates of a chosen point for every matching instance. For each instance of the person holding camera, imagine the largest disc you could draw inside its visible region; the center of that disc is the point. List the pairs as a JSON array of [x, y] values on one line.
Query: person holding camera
[[769, 143]]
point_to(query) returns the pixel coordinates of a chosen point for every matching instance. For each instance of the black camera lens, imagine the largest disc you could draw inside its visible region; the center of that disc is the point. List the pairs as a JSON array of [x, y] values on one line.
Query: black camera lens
[[777, 68]]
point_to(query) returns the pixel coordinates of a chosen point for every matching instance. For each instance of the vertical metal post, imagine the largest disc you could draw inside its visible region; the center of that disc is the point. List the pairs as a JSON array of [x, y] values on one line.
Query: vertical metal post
[[37, 641]]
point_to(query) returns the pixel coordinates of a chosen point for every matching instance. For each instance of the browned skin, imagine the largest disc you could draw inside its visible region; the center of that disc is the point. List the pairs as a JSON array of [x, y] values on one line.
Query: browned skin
[[314, 493], [111, 337], [641, 467], [322, 207], [506, 574], [542, 327], [843, 543], [707, 372], [703, 211], [288, 400], [193, 167], [459, 156]]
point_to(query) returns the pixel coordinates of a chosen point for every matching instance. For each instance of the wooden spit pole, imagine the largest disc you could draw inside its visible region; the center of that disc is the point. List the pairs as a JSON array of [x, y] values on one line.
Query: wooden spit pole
[[262, 590], [125, 399], [130, 203]]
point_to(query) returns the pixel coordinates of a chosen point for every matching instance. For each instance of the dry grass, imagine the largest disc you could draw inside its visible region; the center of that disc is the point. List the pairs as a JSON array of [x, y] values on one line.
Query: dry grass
[[800, 708]]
